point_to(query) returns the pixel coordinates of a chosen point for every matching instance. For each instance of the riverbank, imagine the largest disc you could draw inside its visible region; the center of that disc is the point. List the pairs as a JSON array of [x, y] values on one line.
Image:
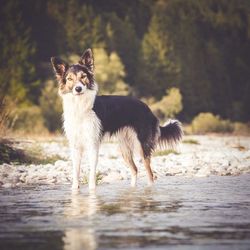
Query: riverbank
[[197, 156]]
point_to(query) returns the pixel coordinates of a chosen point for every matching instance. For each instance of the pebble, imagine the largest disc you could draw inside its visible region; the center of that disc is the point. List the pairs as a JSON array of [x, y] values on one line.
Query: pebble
[[7, 185]]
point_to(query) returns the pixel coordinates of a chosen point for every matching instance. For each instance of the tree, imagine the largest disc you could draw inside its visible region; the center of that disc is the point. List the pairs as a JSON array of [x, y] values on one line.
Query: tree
[[170, 105], [203, 48], [16, 50], [110, 73], [51, 106], [81, 26], [158, 68], [125, 43]]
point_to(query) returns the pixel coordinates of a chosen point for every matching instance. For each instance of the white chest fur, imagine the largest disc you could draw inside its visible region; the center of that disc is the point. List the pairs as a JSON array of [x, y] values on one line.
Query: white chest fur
[[81, 124]]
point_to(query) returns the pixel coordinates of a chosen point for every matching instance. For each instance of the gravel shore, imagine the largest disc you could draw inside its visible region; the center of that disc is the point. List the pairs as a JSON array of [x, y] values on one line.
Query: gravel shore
[[197, 156]]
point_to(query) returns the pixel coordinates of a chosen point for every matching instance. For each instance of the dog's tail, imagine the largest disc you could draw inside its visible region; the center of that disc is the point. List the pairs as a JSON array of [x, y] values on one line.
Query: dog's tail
[[170, 134]]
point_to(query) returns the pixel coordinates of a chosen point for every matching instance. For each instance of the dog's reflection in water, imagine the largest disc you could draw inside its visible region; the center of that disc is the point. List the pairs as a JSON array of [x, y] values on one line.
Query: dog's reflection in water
[[80, 239], [81, 208]]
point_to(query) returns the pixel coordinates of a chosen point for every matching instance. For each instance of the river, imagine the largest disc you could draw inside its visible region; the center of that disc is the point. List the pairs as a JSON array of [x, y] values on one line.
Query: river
[[177, 213]]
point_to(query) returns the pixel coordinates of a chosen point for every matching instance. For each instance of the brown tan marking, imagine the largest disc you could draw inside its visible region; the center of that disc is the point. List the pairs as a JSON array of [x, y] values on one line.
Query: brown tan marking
[[82, 77]]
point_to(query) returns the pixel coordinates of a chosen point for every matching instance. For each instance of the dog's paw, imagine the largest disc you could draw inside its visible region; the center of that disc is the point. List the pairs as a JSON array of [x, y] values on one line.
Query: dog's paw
[[92, 186], [75, 186], [151, 182]]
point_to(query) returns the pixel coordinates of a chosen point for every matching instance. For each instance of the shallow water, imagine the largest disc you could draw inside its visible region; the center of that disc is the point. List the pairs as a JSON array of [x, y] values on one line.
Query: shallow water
[[179, 213]]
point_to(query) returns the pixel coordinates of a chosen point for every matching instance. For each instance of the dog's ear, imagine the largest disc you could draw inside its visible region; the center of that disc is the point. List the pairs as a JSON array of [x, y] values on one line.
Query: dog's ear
[[87, 59], [59, 66]]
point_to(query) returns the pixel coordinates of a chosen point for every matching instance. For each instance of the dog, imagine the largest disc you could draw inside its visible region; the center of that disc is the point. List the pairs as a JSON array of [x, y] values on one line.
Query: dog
[[87, 118]]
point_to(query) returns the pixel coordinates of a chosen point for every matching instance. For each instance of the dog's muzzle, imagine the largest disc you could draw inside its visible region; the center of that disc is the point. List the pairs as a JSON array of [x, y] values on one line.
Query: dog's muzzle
[[79, 89]]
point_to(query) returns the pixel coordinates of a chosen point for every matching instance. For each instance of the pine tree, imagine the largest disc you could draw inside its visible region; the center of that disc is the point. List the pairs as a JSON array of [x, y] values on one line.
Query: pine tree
[[16, 49], [81, 26]]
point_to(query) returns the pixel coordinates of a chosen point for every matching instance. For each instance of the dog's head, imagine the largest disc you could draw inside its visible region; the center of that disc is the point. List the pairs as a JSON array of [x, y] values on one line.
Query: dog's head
[[76, 78]]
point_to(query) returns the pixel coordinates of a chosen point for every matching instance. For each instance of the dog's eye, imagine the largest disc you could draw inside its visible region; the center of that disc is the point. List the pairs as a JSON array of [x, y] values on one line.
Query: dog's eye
[[70, 79], [83, 77]]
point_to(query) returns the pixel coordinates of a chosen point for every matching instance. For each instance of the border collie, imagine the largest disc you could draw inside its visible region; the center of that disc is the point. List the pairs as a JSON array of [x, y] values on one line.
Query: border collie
[[88, 117]]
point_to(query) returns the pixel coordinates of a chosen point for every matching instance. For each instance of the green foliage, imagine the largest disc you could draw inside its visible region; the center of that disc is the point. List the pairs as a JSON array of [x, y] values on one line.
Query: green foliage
[[122, 38], [82, 27], [241, 128], [170, 104], [166, 152], [16, 49], [28, 120], [98, 178], [3, 116], [191, 141], [158, 67], [110, 73], [51, 106], [207, 122], [200, 47], [35, 154], [9, 153]]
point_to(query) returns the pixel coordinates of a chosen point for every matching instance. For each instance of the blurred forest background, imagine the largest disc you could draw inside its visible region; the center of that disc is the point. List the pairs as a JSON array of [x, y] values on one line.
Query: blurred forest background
[[186, 58]]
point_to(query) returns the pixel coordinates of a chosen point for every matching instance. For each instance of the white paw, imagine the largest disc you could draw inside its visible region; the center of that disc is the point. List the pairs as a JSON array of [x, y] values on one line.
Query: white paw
[[92, 186], [150, 183], [133, 181], [75, 186]]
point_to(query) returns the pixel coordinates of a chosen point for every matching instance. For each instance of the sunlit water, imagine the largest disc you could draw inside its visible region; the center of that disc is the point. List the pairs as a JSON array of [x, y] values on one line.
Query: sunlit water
[[179, 213]]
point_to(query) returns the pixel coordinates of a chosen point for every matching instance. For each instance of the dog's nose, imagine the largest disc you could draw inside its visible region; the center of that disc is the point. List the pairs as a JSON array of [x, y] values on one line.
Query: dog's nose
[[78, 89]]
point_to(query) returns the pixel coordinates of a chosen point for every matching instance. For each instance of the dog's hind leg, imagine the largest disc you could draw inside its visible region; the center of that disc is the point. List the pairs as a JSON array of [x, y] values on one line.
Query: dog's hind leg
[[126, 144], [146, 151], [76, 155], [147, 139], [147, 165], [130, 163]]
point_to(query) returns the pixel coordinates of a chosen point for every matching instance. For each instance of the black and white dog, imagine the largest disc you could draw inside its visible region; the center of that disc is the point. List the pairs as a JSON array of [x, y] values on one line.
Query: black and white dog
[[88, 117]]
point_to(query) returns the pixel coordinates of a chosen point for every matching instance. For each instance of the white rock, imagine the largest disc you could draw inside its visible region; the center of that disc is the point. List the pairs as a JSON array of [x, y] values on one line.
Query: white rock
[[8, 185], [15, 179], [203, 172], [61, 163]]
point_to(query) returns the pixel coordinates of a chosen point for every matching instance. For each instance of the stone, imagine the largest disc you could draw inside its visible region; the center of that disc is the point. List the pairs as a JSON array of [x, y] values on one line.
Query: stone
[[7, 185]]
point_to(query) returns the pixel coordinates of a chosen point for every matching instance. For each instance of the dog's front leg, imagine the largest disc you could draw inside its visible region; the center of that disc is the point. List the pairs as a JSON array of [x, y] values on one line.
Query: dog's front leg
[[76, 155], [93, 158]]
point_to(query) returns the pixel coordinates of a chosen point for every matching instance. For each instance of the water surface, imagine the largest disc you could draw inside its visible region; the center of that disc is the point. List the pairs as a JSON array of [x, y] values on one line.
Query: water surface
[[179, 213]]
